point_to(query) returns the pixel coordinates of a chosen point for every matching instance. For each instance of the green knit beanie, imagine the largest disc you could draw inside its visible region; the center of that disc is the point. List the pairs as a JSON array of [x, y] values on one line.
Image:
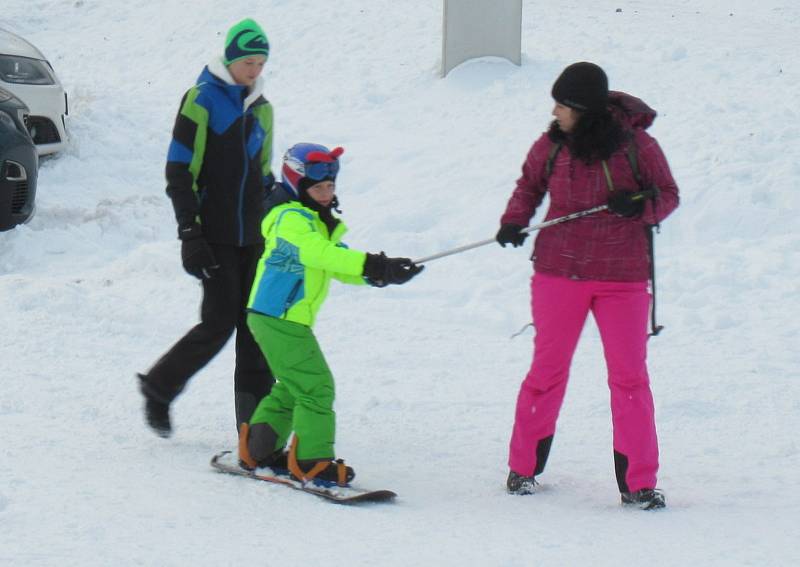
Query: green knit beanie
[[244, 39]]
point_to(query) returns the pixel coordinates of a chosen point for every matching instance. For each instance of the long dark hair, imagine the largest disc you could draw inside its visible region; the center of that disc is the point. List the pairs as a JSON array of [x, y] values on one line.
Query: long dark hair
[[596, 135]]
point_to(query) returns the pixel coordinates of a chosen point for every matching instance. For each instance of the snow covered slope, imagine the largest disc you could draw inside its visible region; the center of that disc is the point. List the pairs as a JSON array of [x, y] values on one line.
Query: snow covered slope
[[92, 291]]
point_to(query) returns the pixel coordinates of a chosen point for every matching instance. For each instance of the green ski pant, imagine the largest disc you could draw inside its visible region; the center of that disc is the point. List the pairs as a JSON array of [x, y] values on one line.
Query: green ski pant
[[302, 398]]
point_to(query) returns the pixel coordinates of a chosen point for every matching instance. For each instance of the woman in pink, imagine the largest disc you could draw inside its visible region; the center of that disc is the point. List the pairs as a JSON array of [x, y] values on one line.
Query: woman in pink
[[596, 152]]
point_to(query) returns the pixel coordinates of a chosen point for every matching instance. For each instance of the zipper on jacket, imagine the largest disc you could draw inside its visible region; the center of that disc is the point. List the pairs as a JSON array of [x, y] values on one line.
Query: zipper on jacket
[[244, 177]]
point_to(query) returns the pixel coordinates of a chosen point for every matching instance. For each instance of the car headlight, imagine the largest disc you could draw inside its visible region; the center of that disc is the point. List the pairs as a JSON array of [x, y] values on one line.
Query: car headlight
[[5, 95], [24, 71]]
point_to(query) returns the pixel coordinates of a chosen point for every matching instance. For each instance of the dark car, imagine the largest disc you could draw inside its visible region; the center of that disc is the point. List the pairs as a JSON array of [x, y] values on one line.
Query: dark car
[[19, 163]]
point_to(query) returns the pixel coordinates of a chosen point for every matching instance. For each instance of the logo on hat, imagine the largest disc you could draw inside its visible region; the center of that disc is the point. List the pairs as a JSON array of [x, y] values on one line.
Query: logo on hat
[[252, 41]]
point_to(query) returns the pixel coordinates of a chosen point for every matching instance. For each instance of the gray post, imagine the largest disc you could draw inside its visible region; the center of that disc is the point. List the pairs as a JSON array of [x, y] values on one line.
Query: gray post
[[477, 28]]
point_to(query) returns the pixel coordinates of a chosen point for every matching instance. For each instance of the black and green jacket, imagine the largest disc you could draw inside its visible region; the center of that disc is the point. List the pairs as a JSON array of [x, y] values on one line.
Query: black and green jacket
[[218, 166]]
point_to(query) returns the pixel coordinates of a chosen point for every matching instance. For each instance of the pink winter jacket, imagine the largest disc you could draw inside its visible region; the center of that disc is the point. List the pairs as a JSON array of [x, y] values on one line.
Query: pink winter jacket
[[602, 246]]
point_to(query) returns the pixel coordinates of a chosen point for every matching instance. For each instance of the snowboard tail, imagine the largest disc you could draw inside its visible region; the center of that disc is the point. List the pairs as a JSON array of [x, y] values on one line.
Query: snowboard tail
[[227, 463]]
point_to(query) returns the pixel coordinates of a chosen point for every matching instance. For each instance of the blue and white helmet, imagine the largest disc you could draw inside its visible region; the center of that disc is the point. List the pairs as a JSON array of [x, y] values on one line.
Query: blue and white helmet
[[305, 164]]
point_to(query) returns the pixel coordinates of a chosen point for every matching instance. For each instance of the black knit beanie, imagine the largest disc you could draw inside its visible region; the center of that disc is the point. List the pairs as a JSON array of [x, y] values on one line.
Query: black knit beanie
[[582, 86]]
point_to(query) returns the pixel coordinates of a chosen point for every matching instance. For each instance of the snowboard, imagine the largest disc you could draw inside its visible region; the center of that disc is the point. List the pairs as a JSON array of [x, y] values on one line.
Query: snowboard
[[226, 462]]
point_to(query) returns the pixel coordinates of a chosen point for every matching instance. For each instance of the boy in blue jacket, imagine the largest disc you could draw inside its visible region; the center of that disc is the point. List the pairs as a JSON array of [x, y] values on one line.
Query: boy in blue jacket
[[218, 175]]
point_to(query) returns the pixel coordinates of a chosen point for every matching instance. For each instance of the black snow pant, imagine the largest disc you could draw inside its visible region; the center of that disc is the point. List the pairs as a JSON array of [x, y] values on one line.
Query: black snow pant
[[223, 310]]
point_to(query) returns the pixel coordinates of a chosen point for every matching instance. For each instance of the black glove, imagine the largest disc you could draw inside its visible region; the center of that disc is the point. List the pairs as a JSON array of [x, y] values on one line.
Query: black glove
[[511, 234], [629, 203], [381, 271], [196, 255]]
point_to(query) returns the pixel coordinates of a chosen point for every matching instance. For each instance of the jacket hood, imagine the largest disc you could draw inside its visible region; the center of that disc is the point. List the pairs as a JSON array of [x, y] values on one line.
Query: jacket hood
[[216, 72], [630, 111], [278, 195]]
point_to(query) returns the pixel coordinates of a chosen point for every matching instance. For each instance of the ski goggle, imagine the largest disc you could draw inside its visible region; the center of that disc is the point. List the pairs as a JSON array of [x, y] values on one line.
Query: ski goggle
[[319, 170], [321, 165]]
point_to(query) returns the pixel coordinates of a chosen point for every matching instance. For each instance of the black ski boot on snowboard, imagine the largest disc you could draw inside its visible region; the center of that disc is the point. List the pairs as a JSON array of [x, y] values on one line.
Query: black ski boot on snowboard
[[278, 463], [256, 449], [328, 473], [646, 499], [520, 485], [156, 408], [321, 472]]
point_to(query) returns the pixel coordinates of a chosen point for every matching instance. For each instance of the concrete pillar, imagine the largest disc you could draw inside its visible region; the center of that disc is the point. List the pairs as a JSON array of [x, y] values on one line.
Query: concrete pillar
[[478, 28]]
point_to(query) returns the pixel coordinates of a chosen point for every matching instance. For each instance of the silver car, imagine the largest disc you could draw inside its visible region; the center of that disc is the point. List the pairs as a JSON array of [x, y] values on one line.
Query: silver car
[[26, 73]]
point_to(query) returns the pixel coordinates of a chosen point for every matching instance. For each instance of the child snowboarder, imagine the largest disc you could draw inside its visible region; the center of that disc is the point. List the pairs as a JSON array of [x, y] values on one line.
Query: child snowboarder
[[303, 251]]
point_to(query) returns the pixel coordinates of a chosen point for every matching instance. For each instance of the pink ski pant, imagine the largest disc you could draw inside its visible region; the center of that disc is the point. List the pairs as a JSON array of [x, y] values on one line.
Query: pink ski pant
[[621, 309]]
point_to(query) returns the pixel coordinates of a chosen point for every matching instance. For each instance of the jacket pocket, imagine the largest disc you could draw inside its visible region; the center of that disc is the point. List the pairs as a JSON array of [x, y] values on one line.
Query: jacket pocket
[[291, 298]]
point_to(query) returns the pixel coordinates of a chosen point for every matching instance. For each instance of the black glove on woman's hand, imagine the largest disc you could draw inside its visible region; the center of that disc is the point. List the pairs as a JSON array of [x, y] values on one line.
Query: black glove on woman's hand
[[381, 271], [511, 234], [627, 203], [196, 255]]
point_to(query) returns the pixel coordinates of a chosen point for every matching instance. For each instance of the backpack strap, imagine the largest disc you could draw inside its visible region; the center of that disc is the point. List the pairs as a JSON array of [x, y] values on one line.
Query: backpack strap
[[648, 231], [609, 181], [551, 159], [633, 161]]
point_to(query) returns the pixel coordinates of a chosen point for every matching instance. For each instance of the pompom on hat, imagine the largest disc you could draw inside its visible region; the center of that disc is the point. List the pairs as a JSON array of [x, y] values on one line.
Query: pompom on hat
[[582, 86], [245, 39]]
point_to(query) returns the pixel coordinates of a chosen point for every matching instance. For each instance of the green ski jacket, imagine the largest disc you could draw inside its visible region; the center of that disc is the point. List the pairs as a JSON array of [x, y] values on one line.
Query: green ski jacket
[[300, 258]]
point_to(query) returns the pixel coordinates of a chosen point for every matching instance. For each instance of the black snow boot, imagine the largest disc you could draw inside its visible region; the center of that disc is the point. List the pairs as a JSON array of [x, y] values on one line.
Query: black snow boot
[[257, 448], [278, 462], [521, 485], [156, 408], [646, 499], [322, 472], [325, 472]]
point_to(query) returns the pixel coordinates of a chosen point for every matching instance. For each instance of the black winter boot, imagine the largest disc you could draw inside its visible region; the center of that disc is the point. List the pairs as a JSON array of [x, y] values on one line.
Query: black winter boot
[[646, 499], [261, 441], [278, 462], [257, 448], [328, 476], [156, 408], [520, 485]]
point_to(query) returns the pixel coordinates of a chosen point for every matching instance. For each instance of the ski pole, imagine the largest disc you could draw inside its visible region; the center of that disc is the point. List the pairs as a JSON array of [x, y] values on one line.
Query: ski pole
[[539, 226]]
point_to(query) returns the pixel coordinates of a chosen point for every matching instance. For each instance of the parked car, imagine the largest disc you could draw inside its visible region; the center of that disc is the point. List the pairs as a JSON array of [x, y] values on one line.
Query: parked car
[[26, 73], [19, 163]]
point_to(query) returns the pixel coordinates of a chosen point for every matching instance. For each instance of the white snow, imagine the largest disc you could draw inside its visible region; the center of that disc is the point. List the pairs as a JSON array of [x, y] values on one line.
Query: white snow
[[92, 291]]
